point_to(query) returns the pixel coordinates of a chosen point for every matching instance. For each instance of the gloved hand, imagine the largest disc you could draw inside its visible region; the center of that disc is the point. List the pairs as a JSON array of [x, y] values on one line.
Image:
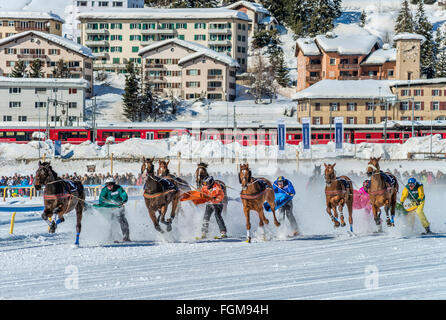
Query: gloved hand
[[418, 202]]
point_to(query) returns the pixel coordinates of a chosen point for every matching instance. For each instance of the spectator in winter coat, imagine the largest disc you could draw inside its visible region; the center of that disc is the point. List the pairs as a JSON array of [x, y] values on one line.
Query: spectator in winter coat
[[213, 190]]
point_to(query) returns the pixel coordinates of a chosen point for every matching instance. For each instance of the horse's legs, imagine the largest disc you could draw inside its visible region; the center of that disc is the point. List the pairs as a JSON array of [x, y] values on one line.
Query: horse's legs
[[155, 220], [163, 212], [248, 225], [334, 217], [376, 217], [272, 203], [341, 212], [175, 205], [387, 208], [350, 213], [79, 207]]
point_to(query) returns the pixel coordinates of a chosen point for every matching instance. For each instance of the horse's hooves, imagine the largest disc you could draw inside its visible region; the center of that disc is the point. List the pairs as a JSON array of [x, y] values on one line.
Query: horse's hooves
[[248, 240], [169, 228], [158, 228], [52, 228], [277, 223], [343, 224]]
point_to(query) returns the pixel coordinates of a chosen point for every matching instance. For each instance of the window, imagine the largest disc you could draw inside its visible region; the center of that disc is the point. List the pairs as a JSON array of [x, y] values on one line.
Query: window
[[417, 105], [370, 120], [404, 105], [22, 118], [214, 72], [435, 92], [192, 84], [405, 92], [350, 120], [193, 72], [39, 90], [214, 84], [103, 4], [15, 104], [72, 91], [7, 118], [135, 49], [15, 90], [116, 60], [72, 105], [117, 3], [417, 92], [435, 105], [334, 106], [369, 106], [39, 104], [200, 37], [351, 106], [200, 25], [390, 73], [332, 61]]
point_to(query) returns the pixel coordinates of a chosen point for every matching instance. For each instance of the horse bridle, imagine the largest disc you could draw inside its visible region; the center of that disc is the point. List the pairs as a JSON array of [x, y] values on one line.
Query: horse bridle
[[375, 170], [328, 182]]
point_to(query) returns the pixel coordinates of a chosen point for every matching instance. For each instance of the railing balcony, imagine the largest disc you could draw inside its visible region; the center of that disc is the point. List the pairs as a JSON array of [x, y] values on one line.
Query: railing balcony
[[313, 78], [211, 89], [75, 69], [220, 42], [159, 31], [32, 56], [348, 78], [95, 43], [155, 79], [212, 77], [314, 66], [154, 66], [348, 66], [220, 31], [147, 42], [96, 31], [370, 77], [101, 54], [22, 29]]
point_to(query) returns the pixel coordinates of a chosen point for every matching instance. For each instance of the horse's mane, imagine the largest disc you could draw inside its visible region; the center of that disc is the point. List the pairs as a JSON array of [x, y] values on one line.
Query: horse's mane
[[202, 165]]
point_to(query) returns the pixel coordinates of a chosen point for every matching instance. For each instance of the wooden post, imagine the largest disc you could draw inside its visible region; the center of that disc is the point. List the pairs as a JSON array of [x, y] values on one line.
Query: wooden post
[[11, 229], [179, 163], [44, 155], [297, 160], [111, 163]]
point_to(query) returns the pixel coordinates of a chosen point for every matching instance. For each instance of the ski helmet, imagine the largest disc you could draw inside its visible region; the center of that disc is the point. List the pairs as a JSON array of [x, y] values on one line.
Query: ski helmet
[[209, 181], [109, 181], [411, 180]]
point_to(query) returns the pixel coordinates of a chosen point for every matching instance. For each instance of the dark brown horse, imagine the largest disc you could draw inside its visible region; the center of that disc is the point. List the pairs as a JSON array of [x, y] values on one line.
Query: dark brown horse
[[255, 191], [60, 197], [382, 192], [202, 173], [338, 192], [158, 194]]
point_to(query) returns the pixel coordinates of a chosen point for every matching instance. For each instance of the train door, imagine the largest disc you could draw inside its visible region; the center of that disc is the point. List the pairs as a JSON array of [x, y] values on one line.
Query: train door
[[150, 135]]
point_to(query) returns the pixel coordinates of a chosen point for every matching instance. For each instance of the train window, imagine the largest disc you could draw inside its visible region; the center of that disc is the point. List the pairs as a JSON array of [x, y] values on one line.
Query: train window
[[2, 133], [163, 135], [397, 135], [406, 136], [297, 136], [368, 136], [327, 136], [320, 136], [10, 133], [313, 136]]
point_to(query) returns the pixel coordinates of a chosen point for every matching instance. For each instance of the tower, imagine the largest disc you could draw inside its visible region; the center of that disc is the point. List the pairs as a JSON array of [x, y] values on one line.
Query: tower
[[408, 47]]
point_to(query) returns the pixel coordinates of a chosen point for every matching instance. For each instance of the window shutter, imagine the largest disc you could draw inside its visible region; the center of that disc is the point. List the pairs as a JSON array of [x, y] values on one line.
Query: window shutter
[[443, 105], [432, 93], [439, 92], [422, 105], [410, 92], [422, 92], [356, 109]]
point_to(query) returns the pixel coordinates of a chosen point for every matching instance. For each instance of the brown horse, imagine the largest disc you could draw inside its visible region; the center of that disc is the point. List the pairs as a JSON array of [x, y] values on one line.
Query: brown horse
[[158, 194], [60, 197], [255, 191], [382, 192], [338, 192], [202, 173]]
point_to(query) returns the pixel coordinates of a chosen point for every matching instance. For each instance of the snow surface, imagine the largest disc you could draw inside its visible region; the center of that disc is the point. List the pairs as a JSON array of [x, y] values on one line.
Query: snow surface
[[322, 263]]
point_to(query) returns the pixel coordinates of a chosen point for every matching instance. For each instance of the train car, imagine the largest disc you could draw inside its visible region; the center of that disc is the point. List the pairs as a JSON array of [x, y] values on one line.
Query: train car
[[18, 134], [74, 135]]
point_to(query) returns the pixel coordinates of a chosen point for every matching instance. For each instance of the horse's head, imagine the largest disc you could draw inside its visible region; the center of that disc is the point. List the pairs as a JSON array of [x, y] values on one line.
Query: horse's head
[[244, 175], [163, 169], [317, 170], [201, 173], [147, 165], [42, 174], [373, 166], [330, 173]]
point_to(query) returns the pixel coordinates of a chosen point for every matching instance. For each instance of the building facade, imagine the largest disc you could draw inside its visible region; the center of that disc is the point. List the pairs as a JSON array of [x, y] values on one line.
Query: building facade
[[85, 5], [116, 37], [14, 22], [260, 17], [32, 99], [31, 45], [187, 70], [372, 101]]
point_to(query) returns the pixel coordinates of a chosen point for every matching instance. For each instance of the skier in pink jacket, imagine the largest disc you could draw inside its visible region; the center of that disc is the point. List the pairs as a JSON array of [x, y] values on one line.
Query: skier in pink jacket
[[361, 199]]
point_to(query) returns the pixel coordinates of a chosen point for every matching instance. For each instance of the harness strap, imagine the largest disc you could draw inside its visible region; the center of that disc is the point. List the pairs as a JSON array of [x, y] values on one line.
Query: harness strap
[[252, 196], [381, 191], [336, 192], [57, 196], [156, 195]]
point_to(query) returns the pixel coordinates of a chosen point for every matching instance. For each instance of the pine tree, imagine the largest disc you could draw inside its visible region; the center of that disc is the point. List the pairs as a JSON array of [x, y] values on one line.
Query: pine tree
[[131, 94], [323, 13], [440, 71], [427, 54], [61, 70], [145, 102], [404, 21], [297, 17], [362, 19], [438, 41], [36, 69], [194, 3], [277, 62], [19, 70], [277, 8]]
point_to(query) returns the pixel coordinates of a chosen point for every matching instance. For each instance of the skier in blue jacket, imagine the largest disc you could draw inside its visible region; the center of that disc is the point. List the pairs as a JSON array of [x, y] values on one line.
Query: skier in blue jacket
[[284, 190]]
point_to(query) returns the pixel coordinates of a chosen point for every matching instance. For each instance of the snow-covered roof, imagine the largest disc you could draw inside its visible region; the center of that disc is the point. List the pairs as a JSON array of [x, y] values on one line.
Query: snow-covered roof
[[150, 13], [50, 82], [64, 42], [346, 89], [347, 44], [30, 15], [395, 83], [380, 56], [268, 20], [350, 29], [409, 36], [308, 47], [257, 7], [198, 48]]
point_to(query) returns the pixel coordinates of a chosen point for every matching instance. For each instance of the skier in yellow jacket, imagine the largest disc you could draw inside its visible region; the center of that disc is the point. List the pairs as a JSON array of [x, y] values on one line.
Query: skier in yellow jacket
[[415, 191]]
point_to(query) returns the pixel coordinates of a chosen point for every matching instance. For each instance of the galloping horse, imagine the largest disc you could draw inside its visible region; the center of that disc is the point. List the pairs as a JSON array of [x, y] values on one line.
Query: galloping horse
[[315, 178], [255, 191], [158, 194], [338, 192], [60, 197], [201, 173], [163, 171], [382, 192]]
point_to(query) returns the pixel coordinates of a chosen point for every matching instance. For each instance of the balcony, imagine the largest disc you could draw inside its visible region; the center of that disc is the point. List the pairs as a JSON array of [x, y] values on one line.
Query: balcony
[[370, 77], [219, 89], [20, 29], [147, 42], [96, 43], [155, 79], [159, 31], [96, 31], [220, 42], [220, 31], [32, 56], [349, 66], [314, 79], [154, 66], [75, 69], [216, 77], [101, 54], [348, 78], [314, 66]]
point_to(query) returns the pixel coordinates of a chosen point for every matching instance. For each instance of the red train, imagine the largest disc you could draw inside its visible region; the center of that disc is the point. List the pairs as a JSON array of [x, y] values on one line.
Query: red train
[[246, 134]]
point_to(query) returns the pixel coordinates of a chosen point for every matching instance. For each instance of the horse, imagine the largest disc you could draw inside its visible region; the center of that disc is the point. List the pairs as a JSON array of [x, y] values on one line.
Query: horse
[[255, 191], [164, 172], [201, 173], [60, 197], [383, 191], [338, 192], [158, 194]]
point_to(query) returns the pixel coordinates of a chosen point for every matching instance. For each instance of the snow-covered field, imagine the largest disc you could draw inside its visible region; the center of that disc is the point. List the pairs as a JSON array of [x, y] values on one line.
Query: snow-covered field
[[322, 263]]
